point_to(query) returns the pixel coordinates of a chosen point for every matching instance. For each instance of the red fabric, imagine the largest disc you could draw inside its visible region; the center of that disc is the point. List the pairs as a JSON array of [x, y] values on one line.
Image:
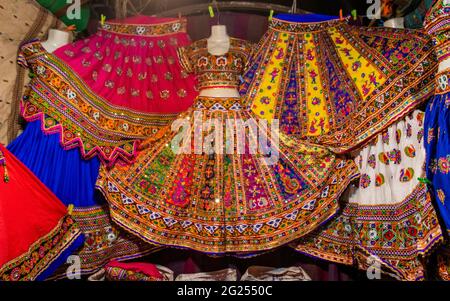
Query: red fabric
[[137, 72], [28, 209], [140, 267]]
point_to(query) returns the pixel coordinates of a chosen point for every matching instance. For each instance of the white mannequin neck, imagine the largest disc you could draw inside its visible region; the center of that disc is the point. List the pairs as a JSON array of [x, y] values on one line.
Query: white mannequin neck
[[219, 41], [395, 23], [219, 44], [56, 38]]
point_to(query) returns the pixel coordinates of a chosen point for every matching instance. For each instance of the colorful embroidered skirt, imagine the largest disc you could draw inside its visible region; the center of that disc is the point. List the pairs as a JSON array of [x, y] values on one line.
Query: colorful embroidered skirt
[[36, 232], [388, 222], [70, 177], [335, 84], [107, 92], [238, 198], [437, 144]]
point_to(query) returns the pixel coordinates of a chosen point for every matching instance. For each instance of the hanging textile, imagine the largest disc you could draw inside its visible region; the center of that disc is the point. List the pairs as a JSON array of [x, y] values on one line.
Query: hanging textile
[[217, 201], [389, 220], [107, 92], [335, 84], [437, 128], [36, 232]]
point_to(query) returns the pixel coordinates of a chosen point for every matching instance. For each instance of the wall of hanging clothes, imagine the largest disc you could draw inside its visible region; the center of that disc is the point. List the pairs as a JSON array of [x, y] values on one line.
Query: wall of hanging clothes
[[236, 144]]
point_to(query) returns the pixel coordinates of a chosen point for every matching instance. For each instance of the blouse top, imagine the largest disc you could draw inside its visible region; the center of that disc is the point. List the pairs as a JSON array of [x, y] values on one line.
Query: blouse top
[[216, 71], [437, 24]]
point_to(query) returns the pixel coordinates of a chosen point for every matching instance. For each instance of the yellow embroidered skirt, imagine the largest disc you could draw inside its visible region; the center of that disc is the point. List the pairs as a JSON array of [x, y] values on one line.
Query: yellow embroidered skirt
[[335, 84]]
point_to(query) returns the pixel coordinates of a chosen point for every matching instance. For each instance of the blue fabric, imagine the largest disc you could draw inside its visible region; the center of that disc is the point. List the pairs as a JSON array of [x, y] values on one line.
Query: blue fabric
[[62, 259], [305, 18], [70, 177], [437, 146]]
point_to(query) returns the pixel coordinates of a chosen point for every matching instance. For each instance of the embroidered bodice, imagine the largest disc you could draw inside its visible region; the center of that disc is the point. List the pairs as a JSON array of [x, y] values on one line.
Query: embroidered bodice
[[216, 71], [437, 24]]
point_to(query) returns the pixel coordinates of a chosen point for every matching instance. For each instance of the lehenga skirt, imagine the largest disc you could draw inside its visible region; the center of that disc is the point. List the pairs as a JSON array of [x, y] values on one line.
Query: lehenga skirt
[[106, 93], [202, 187], [336, 84], [37, 233], [437, 144], [388, 223]]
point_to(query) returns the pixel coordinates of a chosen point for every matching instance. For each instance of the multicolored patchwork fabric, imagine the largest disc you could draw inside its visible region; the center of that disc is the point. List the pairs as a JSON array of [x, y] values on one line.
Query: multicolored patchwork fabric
[[107, 92], [230, 201], [216, 71], [437, 24], [388, 221], [104, 241], [335, 84]]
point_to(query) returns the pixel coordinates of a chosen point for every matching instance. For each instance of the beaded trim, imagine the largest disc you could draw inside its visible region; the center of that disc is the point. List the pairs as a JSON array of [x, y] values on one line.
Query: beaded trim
[[218, 103], [42, 253], [160, 29]]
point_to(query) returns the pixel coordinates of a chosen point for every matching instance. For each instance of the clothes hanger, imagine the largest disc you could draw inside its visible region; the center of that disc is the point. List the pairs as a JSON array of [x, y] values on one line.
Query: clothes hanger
[[294, 7], [211, 10]]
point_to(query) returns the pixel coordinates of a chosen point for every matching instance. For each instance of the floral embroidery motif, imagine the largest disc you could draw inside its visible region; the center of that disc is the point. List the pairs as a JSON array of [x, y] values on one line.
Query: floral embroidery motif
[[160, 29], [379, 180], [407, 174], [364, 181], [441, 196]]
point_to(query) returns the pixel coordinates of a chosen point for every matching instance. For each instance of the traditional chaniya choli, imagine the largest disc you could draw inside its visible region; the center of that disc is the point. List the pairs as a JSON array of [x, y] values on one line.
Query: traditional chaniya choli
[[336, 84], [92, 102], [437, 142], [37, 233], [388, 222], [344, 86], [206, 186]]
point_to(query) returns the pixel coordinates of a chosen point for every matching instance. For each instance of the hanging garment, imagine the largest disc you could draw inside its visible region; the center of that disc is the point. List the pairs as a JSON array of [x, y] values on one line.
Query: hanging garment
[[189, 191], [388, 222], [437, 116], [20, 20], [109, 91], [335, 84], [36, 232]]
